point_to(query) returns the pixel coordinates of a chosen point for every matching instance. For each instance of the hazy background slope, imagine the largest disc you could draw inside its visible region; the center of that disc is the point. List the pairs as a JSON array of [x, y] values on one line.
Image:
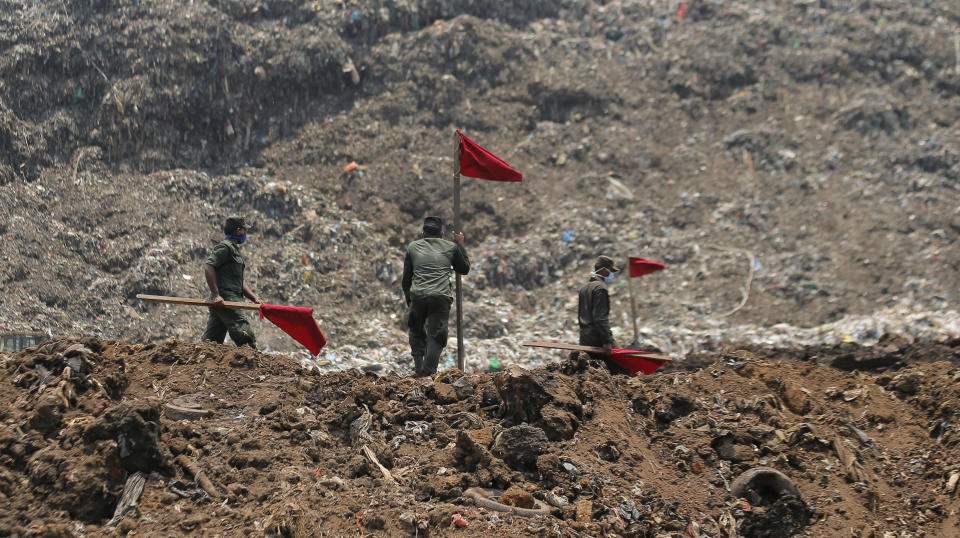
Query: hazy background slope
[[799, 158]]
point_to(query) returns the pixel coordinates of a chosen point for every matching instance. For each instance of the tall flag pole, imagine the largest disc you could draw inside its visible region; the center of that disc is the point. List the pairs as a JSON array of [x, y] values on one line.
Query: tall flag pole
[[456, 228], [633, 313], [638, 268], [473, 161]]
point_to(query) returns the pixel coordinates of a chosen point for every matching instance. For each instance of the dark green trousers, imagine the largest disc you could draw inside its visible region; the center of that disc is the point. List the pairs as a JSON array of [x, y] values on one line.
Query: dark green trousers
[[587, 338], [427, 323], [229, 320]]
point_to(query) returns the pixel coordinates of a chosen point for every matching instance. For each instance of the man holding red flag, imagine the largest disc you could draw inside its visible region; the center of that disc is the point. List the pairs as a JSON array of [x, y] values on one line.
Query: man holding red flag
[[223, 270], [593, 312], [426, 288]]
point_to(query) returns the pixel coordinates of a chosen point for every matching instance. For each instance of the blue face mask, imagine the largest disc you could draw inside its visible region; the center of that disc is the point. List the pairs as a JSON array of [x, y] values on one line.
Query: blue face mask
[[606, 279], [240, 238]]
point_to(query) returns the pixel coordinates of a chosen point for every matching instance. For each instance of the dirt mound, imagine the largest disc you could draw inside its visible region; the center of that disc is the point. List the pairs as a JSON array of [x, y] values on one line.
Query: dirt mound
[[230, 439]]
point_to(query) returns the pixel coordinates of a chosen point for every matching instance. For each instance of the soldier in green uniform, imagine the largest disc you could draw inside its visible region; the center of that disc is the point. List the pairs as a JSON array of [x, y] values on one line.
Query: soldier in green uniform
[[593, 312], [223, 270], [426, 287]]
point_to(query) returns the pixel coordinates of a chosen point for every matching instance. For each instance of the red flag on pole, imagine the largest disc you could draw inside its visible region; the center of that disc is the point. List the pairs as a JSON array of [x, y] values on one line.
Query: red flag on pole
[[633, 361], [640, 267], [298, 322], [477, 162]]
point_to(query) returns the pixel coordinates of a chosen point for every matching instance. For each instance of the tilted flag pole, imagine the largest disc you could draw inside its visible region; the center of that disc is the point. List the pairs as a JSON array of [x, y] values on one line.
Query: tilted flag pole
[[638, 268], [632, 360], [473, 161], [297, 321]]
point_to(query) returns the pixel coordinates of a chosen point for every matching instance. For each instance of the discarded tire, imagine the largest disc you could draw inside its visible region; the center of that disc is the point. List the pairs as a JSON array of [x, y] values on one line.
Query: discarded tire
[[785, 512], [767, 485]]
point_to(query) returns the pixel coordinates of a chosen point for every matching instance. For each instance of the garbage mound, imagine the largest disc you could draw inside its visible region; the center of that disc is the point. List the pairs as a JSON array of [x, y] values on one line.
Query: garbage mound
[[177, 437], [793, 164]]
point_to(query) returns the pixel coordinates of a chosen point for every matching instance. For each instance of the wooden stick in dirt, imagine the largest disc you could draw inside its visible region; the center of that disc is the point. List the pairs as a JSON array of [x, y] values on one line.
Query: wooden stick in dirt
[[591, 349], [131, 496], [373, 459], [195, 302], [198, 475], [855, 472]]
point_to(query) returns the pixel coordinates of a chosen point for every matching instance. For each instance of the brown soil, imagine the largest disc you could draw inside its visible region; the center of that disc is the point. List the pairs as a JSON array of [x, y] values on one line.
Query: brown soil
[[282, 451]]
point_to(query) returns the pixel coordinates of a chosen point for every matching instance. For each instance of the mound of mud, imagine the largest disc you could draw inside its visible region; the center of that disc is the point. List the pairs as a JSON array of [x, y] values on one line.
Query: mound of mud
[[229, 440]]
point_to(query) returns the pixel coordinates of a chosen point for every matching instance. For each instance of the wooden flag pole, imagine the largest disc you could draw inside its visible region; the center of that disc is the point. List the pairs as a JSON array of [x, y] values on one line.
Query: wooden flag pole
[[196, 302], [456, 228], [598, 350], [633, 307]]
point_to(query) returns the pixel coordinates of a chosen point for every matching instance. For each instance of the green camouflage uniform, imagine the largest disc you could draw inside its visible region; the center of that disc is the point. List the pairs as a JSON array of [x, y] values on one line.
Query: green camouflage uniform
[[426, 287], [228, 264]]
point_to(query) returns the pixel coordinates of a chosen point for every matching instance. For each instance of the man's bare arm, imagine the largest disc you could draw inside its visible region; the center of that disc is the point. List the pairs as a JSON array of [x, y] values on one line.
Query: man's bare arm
[[210, 273], [249, 294]]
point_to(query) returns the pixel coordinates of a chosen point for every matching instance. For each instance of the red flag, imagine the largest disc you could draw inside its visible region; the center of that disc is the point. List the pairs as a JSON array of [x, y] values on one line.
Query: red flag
[[629, 361], [480, 163], [298, 322], [640, 267]]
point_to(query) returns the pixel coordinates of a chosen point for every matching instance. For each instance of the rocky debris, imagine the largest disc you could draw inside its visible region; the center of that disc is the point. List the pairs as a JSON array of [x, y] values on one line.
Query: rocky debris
[[187, 408], [516, 496], [728, 97], [785, 516], [520, 446], [546, 401], [135, 428], [472, 452], [906, 383], [711, 450]]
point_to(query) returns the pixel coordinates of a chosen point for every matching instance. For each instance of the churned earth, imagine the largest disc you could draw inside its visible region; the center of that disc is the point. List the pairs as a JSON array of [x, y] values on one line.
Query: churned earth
[[229, 441]]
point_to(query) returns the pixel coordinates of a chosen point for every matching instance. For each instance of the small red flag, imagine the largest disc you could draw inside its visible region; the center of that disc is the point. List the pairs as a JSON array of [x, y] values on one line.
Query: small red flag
[[629, 361], [298, 322], [481, 164], [640, 267]]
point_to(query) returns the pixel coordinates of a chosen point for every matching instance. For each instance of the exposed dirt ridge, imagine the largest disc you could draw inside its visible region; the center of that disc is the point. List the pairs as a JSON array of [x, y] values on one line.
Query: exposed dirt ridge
[[231, 441]]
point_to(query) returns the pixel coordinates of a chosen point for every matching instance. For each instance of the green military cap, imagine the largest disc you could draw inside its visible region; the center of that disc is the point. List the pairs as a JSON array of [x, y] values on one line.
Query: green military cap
[[605, 262], [232, 223], [432, 224]]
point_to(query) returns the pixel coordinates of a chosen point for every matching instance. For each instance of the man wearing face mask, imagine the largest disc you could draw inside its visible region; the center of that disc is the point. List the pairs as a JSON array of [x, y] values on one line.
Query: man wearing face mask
[[594, 312], [223, 270], [426, 288]]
